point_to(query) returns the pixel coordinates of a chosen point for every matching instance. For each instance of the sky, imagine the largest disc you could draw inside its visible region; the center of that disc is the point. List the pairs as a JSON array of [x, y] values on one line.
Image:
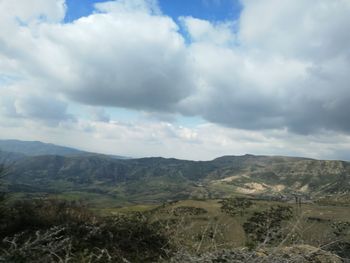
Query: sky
[[193, 79]]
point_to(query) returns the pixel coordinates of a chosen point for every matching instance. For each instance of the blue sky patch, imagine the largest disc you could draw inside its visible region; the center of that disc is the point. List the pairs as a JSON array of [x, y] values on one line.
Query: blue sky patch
[[78, 8], [212, 10]]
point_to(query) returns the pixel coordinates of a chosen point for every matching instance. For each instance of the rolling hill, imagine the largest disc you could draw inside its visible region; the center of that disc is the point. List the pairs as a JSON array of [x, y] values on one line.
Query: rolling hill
[[160, 179]]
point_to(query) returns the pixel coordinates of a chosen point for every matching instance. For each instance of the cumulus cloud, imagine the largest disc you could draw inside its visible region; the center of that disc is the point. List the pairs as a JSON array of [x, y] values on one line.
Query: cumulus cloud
[[282, 66], [131, 60], [290, 68], [307, 30], [126, 54], [19, 102]]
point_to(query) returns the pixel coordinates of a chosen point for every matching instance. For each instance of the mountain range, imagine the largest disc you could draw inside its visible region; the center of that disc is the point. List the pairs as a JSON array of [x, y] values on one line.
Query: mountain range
[[37, 148], [38, 168]]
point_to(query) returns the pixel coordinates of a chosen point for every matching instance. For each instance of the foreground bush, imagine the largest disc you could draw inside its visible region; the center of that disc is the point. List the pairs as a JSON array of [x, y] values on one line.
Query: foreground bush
[[42, 214], [55, 231]]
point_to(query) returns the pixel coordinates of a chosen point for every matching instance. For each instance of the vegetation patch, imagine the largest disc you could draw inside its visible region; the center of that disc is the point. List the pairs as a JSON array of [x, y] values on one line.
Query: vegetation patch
[[189, 211], [266, 226], [234, 206], [58, 231]]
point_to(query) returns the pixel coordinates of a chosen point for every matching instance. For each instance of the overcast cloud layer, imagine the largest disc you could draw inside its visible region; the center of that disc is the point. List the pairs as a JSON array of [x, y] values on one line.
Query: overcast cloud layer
[[280, 73]]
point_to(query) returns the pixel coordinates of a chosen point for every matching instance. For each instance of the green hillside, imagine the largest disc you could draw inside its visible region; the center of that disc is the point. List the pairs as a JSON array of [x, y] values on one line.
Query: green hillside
[[159, 179]]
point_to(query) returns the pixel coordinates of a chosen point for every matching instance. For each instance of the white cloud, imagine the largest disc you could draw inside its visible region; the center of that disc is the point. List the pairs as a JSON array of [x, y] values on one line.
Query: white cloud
[[288, 69], [126, 56], [132, 60], [21, 101], [203, 31], [202, 142], [311, 30], [279, 74], [31, 11]]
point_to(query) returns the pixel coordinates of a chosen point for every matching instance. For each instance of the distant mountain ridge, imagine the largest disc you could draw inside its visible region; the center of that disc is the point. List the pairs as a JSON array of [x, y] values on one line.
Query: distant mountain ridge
[[36, 148], [158, 179]]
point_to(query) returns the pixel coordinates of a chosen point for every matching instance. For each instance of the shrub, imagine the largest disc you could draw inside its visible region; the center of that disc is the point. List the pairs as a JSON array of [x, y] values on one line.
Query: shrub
[[43, 246], [43, 214], [234, 206], [266, 226], [189, 210], [341, 248], [341, 228], [58, 231], [131, 236]]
